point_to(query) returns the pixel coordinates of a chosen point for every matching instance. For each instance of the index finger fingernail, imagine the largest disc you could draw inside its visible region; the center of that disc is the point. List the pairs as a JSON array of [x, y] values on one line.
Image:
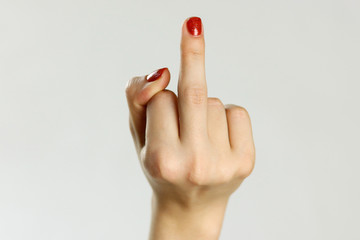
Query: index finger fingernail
[[155, 75]]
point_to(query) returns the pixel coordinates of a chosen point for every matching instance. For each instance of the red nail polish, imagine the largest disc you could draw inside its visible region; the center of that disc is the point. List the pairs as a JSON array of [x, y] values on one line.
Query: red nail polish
[[194, 26], [155, 75]]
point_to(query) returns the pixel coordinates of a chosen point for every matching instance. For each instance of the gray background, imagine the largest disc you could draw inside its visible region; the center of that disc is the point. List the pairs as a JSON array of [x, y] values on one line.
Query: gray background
[[68, 168]]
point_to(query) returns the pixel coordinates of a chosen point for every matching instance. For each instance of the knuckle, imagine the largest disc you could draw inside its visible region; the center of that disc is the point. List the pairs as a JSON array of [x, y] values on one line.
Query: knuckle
[[215, 102], [237, 112], [247, 162], [160, 164], [198, 173], [245, 169], [151, 162], [193, 52], [197, 178], [195, 95], [162, 97], [169, 170], [130, 86]]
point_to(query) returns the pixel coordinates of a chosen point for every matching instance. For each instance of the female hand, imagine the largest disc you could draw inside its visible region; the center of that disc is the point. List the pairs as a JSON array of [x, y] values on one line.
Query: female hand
[[194, 151]]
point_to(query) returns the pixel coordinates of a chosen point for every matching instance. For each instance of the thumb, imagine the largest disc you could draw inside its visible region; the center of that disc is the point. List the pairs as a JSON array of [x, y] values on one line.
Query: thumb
[[139, 91]]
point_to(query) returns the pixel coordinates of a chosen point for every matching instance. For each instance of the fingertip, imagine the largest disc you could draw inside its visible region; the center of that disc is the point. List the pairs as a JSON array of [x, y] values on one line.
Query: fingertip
[[192, 43], [150, 88], [193, 27], [153, 76]]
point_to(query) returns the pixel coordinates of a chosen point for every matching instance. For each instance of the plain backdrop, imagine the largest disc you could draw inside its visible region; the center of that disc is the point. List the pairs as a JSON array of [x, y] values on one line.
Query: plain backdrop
[[68, 167]]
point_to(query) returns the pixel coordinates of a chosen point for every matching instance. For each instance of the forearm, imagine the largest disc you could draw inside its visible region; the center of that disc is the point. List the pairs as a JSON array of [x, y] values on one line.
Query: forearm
[[174, 222]]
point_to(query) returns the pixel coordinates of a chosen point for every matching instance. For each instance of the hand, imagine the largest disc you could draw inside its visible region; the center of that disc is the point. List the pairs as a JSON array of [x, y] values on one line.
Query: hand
[[194, 151]]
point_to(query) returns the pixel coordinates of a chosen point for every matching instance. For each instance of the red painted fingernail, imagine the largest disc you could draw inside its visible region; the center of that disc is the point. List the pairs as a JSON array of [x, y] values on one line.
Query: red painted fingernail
[[155, 75], [194, 26]]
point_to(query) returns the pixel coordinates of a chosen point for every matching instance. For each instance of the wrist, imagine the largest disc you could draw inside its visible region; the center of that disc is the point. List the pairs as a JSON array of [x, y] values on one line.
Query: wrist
[[172, 220]]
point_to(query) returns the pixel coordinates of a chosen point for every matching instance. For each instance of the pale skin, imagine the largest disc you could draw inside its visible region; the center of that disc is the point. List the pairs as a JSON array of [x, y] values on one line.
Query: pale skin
[[194, 151]]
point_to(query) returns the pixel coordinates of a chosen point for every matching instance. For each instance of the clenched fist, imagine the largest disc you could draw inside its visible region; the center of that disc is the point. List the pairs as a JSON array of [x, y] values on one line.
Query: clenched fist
[[194, 151]]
